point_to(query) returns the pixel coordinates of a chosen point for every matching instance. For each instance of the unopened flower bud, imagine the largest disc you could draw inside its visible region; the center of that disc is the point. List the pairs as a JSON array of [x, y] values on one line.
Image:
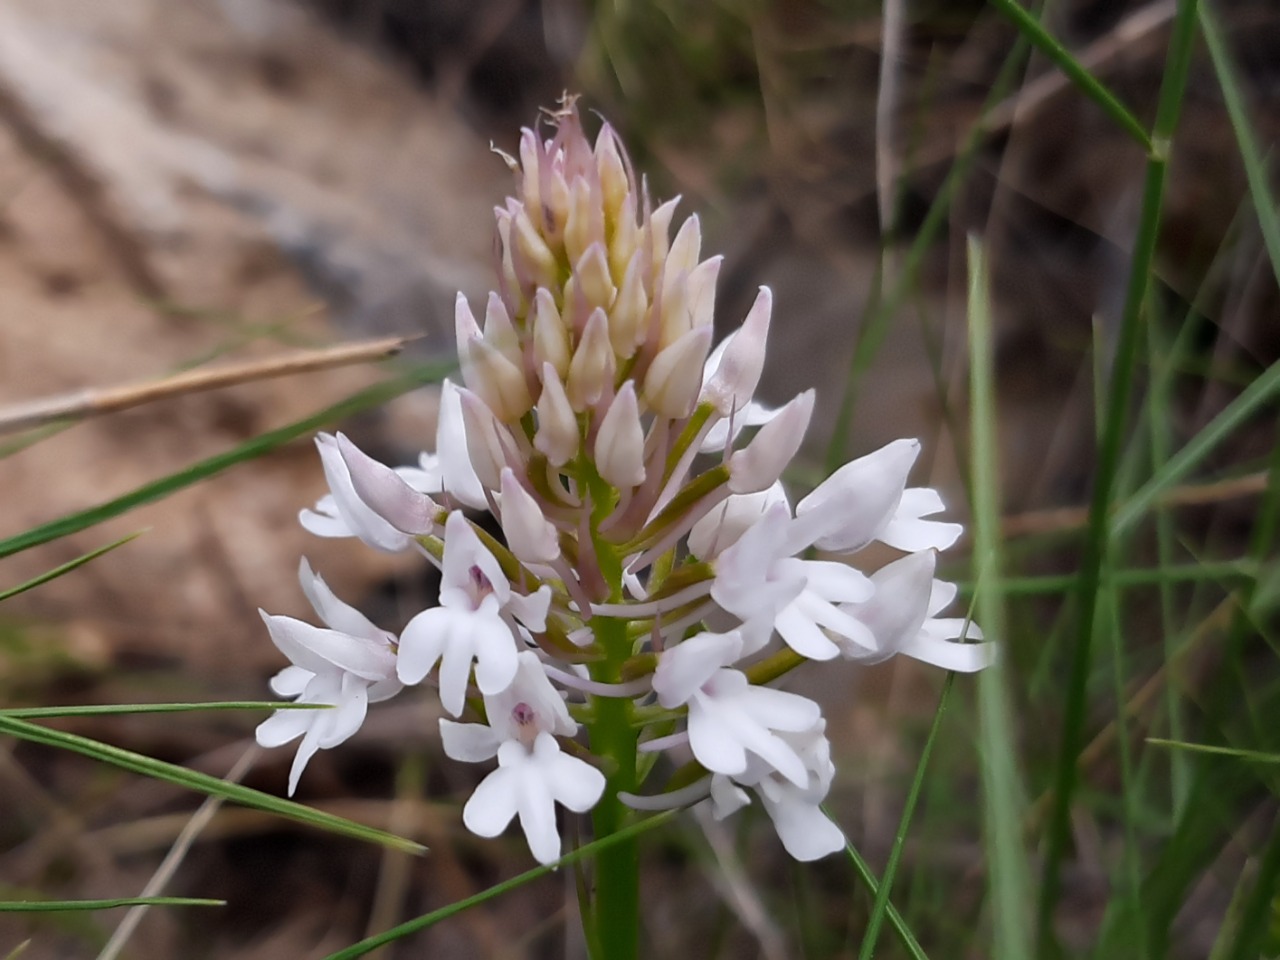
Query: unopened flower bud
[[759, 465], [496, 379], [741, 360], [627, 319], [529, 534], [674, 379], [550, 335], [499, 331], [700, 292], [557, 435], [530, 163], [592, 367], [620, 441], [624, 244], [659, 230], [585, 224], [684, 252], [465, 328], [405, 508], [531, 255], [591, 275], [484, 448], [613, 173], [459, 477]]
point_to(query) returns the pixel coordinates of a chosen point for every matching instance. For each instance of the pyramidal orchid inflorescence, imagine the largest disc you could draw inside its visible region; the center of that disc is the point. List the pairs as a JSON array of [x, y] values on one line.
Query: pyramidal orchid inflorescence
[[653, 577]]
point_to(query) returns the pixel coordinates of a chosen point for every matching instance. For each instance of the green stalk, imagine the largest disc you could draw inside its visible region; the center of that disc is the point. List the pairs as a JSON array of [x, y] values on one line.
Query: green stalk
[[615, 914], [1098, 534]]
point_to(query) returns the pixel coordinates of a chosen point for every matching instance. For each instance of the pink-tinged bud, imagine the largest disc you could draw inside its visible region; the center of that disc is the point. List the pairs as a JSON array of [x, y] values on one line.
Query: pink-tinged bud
[[659, 228], [758, 466], [557, 435], [627, 319], [484, 448], [465, 327], [550, 335], [613, 173], [734, 381], [405, 508], [556, 202], [460, 479], [499, 331], [674, 379], [592, 367], [585, 225], [510, 280], [684, 252], [620, 441], [700, 292], [496, 379], [591, 275], [624, 244], [539, 263], [674, 320], [530, 163], [529, 535]]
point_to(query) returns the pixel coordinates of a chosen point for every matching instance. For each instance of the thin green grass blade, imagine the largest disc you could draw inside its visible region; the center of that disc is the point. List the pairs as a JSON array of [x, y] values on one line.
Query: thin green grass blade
[[1099, 532], [409, 927], [1267, 386], [68, 566], [896, 920], [1008, 878], [112, 709], [201, 783], [881, 904], [62, 906], [1250, 153], [1251, 930], [1030, 28], [159, 489], [1256, 756]]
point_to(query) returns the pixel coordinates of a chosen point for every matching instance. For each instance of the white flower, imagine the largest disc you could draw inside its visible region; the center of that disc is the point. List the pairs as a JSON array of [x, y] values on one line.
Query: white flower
[[724, 524], [533, 774], [760, 582], [469, 625], [796, 811], [902, 617], [343, 513], [729, 719], [867, 500], [349, 666]]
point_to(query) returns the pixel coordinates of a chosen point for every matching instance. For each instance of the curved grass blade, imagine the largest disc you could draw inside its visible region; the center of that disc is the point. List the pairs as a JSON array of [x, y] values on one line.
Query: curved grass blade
[[159, 489], [1031, 28], [60, 906], [1254, 755], [1003, 797], [867, 876], [878, 909], [201, 783], [430, 919], [112, 709], [67, 567]]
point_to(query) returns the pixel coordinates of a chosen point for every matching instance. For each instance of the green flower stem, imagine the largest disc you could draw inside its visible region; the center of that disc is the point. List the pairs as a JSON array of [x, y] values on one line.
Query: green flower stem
[[616, 911], [617, 902]]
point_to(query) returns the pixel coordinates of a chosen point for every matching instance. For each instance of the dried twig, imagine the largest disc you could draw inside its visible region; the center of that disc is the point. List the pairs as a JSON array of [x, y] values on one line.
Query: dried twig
[[96, 401]]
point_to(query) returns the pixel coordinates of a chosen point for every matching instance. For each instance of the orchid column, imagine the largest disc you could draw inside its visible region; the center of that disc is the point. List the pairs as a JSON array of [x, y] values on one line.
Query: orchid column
[[648, 601]]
